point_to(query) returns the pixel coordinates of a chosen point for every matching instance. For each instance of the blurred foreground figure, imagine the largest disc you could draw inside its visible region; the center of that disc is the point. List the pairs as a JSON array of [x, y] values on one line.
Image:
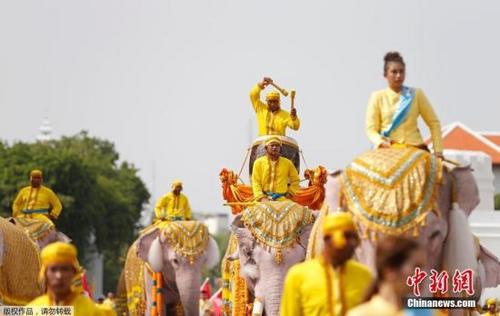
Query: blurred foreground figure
[[333, 283], [396, 259], [61, 271]]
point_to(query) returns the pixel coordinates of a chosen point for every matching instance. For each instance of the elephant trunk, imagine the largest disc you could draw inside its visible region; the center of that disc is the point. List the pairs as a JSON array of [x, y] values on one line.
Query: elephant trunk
[[188, 279], [269, 291]]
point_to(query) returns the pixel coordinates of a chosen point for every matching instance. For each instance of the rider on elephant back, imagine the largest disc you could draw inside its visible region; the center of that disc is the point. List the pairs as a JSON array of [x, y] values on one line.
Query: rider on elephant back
[[391, 117], [37, 201], [173, 206], [271, 119], [274, 177]]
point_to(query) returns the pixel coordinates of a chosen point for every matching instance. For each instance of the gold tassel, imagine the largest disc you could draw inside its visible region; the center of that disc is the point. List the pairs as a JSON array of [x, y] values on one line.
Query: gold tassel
[[278, 256], [415, 231]]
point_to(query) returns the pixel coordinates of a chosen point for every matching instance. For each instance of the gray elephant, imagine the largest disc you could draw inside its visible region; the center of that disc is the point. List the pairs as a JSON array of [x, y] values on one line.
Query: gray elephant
[[179, 250], [445, 232], [19, 266], [271, 237]]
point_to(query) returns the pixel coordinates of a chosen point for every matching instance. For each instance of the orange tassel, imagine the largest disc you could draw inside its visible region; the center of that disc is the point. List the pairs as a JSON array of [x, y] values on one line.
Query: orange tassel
[[159, 293]]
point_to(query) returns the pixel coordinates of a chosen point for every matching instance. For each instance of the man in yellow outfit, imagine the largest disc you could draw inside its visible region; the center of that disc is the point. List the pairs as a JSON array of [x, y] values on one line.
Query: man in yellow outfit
[[271, 119], [333, 283], [173, 206], [491, 305], [274, 177], [37, 201], [60, 268]]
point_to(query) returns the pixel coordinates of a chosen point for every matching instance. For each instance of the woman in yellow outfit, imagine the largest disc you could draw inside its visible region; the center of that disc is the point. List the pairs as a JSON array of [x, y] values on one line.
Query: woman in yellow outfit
[[396, 258], [392, 113]]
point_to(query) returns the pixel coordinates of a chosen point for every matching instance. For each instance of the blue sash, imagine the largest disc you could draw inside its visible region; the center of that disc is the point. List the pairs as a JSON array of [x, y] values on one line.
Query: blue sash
[[41, 211], [274, 196], [405, 101]]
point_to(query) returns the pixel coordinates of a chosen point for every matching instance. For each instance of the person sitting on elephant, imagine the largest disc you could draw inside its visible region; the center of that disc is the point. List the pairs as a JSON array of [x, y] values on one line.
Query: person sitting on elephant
[[173, 206], [271, 119], [37, 201], [59, 269], [392, 114], [274, 177], [332, 283]]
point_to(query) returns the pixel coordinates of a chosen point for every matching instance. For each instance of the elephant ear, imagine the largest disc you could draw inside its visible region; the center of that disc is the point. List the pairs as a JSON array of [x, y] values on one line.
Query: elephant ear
[[243, 235], [467, 193], [491, 267], [144, 243]]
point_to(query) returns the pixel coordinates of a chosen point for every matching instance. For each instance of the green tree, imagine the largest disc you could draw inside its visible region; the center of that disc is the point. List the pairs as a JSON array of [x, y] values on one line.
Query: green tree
[[102, 197]]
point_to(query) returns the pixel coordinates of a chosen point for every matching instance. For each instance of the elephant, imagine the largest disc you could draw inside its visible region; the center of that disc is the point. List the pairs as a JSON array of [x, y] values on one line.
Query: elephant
[[39, 231], [19, 266], [179, 250], [445, 234], [263, 264]]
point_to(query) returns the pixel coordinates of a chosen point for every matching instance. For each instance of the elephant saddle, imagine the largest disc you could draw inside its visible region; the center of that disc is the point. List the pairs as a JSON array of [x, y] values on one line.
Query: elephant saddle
[[277, 224], [391, 190], [188, 238], [36, 228]]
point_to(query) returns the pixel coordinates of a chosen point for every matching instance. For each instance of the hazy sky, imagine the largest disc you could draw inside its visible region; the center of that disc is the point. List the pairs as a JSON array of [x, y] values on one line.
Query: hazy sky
[[168, 81]]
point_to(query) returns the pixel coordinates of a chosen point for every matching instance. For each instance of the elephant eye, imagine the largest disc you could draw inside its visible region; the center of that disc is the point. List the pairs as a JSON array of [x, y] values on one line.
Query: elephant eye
[[434, 235], [175, 261]]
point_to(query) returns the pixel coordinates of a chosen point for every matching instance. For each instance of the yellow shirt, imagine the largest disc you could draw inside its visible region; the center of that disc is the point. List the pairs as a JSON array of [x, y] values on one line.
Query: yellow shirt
[[171, 205], [278, 176], [83, 306], [41, 198], [379, 115], [271, 123], [377, 306], [305, 289]]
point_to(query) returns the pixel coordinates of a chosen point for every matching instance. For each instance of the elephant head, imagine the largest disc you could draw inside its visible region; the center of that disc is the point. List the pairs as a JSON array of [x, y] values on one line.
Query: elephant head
[[263, 266], [445, 234], [179, 250]]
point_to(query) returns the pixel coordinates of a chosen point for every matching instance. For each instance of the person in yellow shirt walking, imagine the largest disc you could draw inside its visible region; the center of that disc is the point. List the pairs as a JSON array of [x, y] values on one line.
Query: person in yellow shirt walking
[[59, 269], [392, 114], [333, 283], [173, 206], [37, 201], [274, 177], [271, 119]]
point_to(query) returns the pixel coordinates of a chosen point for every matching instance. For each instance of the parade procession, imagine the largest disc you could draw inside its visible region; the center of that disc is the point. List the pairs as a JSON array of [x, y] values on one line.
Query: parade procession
[[385, 235]]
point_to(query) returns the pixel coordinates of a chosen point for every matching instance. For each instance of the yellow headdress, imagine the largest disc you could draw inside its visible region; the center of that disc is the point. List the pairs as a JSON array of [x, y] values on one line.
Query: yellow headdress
[[491, 301], [58, 253], [273, 95], [272, 140], [176, 183], [36, 172], [336, 224]]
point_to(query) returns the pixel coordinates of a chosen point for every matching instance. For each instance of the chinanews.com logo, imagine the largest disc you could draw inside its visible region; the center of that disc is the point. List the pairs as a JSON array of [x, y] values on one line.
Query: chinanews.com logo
[[442, 286]]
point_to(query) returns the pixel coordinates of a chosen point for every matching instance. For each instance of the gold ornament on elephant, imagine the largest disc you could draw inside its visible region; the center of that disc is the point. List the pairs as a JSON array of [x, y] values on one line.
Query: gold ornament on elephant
[[277, 225], [19, 268], [188, 238], [391, 190]]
